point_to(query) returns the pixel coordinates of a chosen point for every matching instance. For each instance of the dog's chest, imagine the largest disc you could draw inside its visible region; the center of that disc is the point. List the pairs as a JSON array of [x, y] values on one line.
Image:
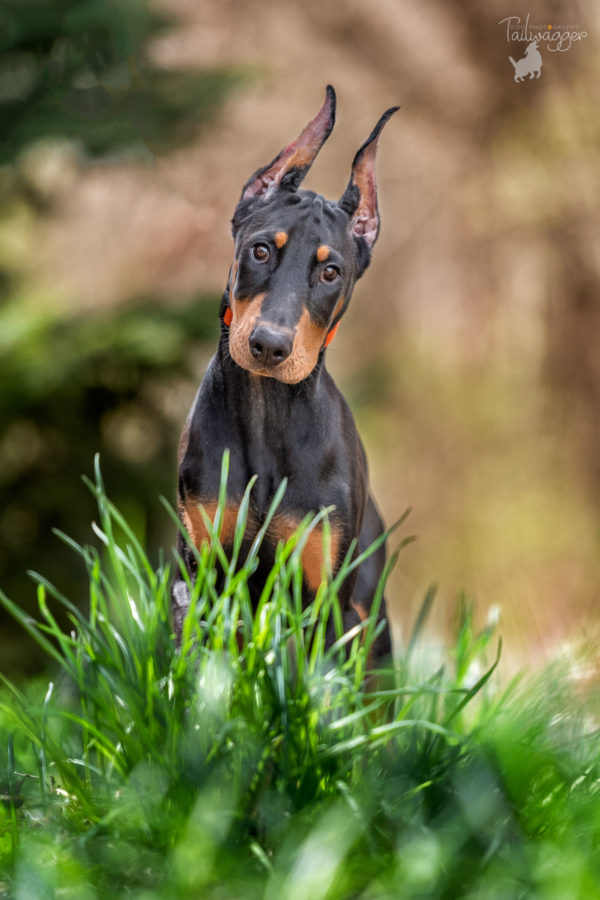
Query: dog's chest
[[321, 544]]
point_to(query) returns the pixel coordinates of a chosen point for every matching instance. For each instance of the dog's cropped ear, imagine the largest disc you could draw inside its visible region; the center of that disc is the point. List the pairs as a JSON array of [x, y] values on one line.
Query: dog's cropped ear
[[359, 199], [291, 165]]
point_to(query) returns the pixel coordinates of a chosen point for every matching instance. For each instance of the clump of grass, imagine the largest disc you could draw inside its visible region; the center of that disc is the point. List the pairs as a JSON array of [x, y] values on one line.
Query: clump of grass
[[253, 762]]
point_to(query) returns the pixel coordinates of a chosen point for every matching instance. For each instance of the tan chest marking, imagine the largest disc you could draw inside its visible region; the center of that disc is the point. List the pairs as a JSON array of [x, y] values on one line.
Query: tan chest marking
[[195, 525], [313, 554], [282, 527]]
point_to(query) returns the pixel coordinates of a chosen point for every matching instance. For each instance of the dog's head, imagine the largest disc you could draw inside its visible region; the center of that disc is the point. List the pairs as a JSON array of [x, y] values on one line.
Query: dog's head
[[297, 255]]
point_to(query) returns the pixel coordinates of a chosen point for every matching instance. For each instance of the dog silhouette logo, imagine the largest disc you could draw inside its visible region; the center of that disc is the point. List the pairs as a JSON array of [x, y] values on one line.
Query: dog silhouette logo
[[530, 64]]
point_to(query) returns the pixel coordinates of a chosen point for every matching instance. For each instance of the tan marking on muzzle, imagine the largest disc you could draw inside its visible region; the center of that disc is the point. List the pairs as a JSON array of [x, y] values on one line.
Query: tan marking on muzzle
[[308, 341], [245, 314], [339, 308]]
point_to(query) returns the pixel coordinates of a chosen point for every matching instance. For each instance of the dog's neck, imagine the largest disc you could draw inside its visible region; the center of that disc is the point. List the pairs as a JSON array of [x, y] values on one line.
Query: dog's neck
[[275, 397]]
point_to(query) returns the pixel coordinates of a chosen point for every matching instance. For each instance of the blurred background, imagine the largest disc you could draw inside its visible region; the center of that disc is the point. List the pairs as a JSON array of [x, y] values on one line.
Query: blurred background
[[469, 353]]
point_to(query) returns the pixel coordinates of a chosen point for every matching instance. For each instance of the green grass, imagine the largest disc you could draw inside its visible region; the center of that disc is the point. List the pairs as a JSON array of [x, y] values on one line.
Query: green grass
[[253, 763]]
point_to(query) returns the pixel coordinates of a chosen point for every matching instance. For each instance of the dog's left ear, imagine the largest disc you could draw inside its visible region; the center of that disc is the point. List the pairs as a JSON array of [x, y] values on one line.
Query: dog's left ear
[[290, 166], [359, 199]]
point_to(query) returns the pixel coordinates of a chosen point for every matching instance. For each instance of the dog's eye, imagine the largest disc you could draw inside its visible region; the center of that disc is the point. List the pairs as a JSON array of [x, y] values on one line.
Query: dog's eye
[[261, 252], [329, 273]]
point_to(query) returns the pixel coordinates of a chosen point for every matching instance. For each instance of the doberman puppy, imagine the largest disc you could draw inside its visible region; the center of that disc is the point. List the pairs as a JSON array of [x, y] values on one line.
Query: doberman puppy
[[267, 395]]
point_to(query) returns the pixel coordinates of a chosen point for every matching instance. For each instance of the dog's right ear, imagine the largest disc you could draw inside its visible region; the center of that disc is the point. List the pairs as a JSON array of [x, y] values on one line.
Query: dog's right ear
[[291, 165]]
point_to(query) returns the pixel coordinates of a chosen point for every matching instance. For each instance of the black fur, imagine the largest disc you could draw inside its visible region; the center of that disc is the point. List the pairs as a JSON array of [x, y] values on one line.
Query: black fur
[[301, 431]]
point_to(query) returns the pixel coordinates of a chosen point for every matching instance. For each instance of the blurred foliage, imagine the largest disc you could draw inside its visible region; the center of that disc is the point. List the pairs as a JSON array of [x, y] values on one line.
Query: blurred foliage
[[77, 69], [77, 72], [254, 762], [72, 386]]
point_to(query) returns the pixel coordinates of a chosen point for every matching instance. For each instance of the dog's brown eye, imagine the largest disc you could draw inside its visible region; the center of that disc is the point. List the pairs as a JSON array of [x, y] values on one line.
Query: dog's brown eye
[[261, 252], [329, 273]]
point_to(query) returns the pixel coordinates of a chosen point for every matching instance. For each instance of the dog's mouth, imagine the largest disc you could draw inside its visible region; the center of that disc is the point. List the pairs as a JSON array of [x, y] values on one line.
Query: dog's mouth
[[293, 370], [271, 352]]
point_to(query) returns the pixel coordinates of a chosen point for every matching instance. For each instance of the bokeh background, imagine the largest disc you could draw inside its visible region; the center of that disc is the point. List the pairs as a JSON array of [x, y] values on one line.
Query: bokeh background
[[470, 351]]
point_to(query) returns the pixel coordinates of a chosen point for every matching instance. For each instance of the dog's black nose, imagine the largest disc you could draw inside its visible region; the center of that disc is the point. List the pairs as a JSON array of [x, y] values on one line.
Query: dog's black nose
[[269, 346]]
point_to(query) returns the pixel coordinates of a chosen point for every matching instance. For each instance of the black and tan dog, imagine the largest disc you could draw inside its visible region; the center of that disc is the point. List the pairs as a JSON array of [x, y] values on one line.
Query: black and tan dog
[[267, 396]]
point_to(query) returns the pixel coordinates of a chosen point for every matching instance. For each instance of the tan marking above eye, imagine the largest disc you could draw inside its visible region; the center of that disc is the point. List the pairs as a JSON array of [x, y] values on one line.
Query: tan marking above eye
[[323, 253], [280, 239]]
